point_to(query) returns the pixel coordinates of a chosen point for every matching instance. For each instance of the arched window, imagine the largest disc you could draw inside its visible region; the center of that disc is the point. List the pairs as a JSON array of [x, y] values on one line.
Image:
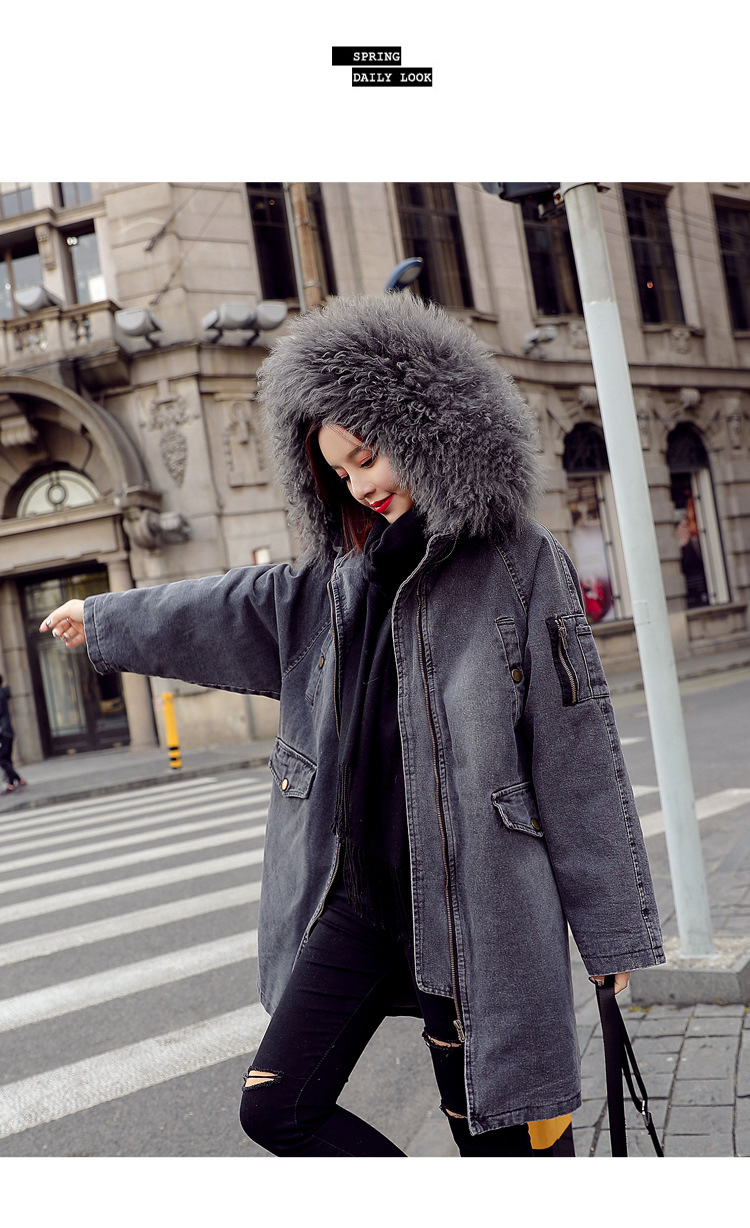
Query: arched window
[[56, 491], [695, 520], [595, 535]]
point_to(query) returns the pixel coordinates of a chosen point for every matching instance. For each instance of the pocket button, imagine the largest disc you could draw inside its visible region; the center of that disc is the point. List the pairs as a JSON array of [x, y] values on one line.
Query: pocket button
[[517, 675], [285, 785], [536, 824]]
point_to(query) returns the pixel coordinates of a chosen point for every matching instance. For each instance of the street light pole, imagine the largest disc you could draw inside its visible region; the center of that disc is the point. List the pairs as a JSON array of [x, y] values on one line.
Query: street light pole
[[630, 484]]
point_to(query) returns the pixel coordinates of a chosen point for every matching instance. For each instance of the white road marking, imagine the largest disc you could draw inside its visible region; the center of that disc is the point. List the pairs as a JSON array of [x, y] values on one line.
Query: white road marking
[[630, 741], [705, 807], [140, 837], [127, 923], [642, 790], [128, 886], [122, 806], [87, 868], [86, 991], [54, 1094]]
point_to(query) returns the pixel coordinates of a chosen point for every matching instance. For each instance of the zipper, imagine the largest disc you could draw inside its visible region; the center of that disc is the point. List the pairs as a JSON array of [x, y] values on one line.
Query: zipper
[[562, 652], [336, 670], [458, 1022]]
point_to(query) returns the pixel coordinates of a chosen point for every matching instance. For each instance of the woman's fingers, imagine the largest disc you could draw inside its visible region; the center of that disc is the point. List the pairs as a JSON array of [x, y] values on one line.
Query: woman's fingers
[[66, 623]]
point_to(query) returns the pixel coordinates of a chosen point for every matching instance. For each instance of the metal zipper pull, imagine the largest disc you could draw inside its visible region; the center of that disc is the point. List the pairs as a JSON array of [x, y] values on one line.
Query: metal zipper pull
[[562, 652], [460, 1029]]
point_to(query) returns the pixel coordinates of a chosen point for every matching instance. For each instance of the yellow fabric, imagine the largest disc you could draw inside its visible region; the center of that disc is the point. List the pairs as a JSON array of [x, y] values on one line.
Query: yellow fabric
[[545, 1133]]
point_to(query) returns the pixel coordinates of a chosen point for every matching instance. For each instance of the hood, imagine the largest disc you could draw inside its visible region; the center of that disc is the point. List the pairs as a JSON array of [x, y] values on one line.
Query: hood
[[417, 385]]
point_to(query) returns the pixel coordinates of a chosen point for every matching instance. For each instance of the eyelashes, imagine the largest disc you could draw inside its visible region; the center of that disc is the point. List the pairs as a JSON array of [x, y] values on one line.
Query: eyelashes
[[364, 465]]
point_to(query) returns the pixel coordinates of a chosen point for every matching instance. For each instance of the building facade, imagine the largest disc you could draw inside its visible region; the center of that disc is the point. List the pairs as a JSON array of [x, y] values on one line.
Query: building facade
[[131, 451]]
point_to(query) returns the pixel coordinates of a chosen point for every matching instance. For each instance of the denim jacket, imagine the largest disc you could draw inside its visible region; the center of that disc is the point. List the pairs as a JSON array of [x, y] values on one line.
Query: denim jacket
[[521, 817]]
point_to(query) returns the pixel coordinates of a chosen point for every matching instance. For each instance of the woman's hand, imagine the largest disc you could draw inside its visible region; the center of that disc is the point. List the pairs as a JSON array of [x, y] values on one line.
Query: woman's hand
[[66, 623], [621, 980]]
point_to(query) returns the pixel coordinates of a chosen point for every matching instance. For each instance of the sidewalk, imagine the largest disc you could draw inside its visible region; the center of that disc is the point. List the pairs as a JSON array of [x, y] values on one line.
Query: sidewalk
[[695, 1060]]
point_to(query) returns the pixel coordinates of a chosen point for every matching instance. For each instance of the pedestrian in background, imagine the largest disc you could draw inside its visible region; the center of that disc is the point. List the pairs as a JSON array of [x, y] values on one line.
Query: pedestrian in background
[[14, 782], [450, 791]]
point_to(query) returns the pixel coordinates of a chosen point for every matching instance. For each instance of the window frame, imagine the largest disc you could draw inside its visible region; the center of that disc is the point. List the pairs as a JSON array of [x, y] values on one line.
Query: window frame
[[743, 209], [436, 280], [556, 226], [654, 253]]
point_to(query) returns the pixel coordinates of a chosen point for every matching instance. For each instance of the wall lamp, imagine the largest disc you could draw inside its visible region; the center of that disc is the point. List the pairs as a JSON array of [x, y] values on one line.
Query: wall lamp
[[138, 322], [404, 274], [240, 317], [35, 298]]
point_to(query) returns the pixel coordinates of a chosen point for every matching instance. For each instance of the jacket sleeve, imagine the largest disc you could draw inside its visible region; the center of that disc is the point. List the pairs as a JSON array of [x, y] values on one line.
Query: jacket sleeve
[[584, 797], [236, 632]]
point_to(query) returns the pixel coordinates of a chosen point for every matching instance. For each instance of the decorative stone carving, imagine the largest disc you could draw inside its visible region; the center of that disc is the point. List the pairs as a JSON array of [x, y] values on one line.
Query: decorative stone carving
[[46, 246], [17, 432], [167, 413], [577, 335], [244, 446], [690, 398], [588, 396], [150, 530], [734, 419], [681, 340]]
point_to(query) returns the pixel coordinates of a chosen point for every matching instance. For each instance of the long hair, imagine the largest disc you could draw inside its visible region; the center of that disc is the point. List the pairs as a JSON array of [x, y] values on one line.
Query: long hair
[[354, 519]]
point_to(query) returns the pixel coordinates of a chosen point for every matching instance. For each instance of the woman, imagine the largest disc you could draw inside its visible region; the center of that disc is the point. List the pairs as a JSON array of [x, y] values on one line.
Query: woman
[[450, 789]]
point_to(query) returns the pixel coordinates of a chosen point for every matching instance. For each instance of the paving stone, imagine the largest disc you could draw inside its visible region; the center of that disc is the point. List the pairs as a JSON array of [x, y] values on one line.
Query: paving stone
[[743, 1068], [671, 1012], [707, 1119], [589, 1112], [703, 1091], [709, 1057], [656, 1044], [583, 1141], [726, 1012], [584, 1036], [714, 1025], [657, 1108], [674, 1025], [655, 1063], [595, 1086], [742, 1127], [698, 1145]]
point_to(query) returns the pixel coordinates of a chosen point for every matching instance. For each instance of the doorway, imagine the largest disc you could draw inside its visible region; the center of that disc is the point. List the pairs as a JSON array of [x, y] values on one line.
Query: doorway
[[78, 709]]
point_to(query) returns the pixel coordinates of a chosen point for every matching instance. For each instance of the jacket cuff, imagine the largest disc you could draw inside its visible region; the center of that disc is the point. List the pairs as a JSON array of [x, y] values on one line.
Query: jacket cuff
[[606, 965], [100, 664]]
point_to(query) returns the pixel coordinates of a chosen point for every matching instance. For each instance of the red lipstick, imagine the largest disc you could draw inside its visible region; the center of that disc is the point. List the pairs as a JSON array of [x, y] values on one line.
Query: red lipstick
[[383, 505]]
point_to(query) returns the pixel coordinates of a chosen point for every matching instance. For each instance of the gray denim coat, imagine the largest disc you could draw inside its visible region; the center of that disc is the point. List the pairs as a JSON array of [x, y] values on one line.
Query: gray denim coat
[[520, 813]]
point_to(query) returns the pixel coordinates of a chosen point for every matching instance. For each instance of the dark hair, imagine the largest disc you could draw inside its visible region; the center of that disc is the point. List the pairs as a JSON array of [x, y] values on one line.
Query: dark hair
[[355, 520]]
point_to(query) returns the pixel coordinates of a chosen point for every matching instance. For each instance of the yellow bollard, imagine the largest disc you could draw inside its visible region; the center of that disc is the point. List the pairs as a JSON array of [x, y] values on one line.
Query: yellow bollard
[[170, 726]]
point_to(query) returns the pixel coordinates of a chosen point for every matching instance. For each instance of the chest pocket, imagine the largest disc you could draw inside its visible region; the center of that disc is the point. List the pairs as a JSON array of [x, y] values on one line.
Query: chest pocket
[[506, 629], [576, 659], [517, 808], [322, 660], [293, 772]]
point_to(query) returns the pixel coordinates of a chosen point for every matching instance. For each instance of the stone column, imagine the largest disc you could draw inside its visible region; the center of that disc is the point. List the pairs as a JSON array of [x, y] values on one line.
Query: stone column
[[135, 687]]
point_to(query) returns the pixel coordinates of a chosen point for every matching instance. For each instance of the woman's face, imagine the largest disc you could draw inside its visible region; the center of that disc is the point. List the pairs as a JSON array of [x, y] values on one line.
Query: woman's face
[[367, 475]]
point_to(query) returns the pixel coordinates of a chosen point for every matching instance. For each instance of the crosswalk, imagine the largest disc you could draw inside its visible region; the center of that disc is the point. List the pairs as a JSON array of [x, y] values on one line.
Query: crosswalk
[[112, 900], [81, 879]]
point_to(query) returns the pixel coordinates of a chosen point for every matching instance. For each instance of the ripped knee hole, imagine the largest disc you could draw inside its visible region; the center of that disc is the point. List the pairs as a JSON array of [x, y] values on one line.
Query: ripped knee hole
[[432, 1043], [259, 1078], [450, 1113]]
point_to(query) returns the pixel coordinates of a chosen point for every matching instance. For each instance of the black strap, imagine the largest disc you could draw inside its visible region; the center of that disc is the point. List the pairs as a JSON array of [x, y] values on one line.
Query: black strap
[[619, 1060]]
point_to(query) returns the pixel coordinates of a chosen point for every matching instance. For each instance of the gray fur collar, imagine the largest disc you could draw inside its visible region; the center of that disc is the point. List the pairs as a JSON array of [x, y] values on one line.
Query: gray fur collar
[[408, 379]]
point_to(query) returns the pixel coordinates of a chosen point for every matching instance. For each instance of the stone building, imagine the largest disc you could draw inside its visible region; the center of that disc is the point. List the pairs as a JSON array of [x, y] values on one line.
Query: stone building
[[130, 446]]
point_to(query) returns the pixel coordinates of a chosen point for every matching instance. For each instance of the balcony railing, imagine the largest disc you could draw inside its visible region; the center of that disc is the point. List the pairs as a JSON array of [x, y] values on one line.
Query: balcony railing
[[85, 332]]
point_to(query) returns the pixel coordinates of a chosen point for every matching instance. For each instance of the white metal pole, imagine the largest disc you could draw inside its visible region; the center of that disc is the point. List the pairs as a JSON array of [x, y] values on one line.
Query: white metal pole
[[628, 472]]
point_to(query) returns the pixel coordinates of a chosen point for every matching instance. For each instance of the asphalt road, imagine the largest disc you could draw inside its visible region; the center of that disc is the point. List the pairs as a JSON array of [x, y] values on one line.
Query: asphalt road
[[128, 1007]]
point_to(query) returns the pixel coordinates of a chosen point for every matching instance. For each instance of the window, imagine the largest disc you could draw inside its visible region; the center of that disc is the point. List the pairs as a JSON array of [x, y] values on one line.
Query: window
[[595, 536], [653, 257], [553, 270], [56, 491], [319, 235], [734, 242], [74, 194], [696, 524], [430, 227], [85, 266], [20, 268], [271, 234], [15, 198]]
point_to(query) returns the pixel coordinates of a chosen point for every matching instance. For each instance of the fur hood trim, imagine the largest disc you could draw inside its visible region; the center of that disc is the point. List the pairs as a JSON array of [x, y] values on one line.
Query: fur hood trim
[[417, 385]]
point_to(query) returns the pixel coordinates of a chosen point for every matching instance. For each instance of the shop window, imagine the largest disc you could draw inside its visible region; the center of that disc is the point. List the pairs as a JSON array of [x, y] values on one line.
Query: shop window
[[86, 278], [734, 242], [553, 269], [20, 268], [595, 545], [695, 520], [653, 257], [272, 245], [431, 228], [56, 491]]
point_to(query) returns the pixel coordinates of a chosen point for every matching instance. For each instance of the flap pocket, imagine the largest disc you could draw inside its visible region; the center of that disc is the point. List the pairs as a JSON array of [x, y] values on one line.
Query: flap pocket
[[293, 773], [517, 807]]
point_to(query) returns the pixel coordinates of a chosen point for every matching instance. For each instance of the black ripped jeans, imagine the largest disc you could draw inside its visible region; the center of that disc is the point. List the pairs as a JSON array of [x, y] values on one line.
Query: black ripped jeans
[[338, 995]]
